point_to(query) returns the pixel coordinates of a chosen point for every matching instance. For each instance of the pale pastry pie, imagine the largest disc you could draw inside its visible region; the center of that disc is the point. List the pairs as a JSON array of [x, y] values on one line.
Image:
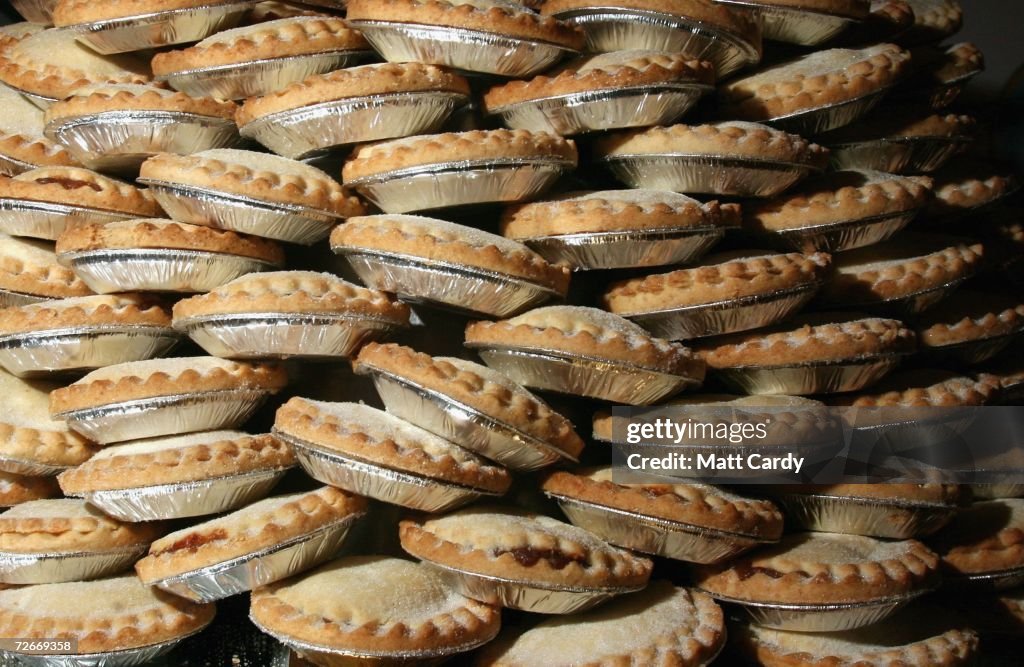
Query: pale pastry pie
[[75, 186], [104, 98], [69, 525], [16, 489], [968, 316], [985, 537], [962, 188], [29, 269], [935, 20], [22, 144]]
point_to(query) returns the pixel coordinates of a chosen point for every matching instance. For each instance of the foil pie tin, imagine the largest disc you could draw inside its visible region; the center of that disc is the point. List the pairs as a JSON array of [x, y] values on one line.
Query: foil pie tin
[[986, 581], [147, 31], [811, 378], [158, 270], [185, 499], [12, 167], [623, 29], [810, 122], [908, 304], [576, 113], [470, 51], [893, 519], [455, 286], [720, 317], [39, 12], [57, 567], [38, 353], [651, 535], [898, 155], [311, 336], [308, 130], [375, 481], [132, 657], [272, 220], [122, 140], [31, 468], [625, 249], [46, 220], [164, 415], [791, 25], [839, 236], [448, 184], [261, 567], [584, 376], [706, 174], [9, 299]]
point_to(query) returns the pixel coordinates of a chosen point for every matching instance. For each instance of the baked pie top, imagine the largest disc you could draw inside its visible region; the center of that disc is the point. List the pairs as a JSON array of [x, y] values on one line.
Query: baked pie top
[[117, 97], [476, 386], [390, 604], [474, 145], [823, 568], [939, 17], [720, 277], [263, 524], [983, 537], [890, 17], [27, 432], [164, 234], [925, 388], [694, 504], [69, 525], [378, 437], [258, 175], [606, 71], [821, 337], [76, 186], [123, 613], [968, 185], [931, 493], [281, 38], [362, 81], [507, 19], [165, 377], [30, 267], [840, 196], [74, 12], [85, 311], [17, 489], [21, 133], [614, 210], [433, 239], [678, 626], [903, 123], [967, 315], [177, 459], [587, 332], [952, 63], [12, 32], [814, 80], [528, 548], [272, 10], [292, 292]]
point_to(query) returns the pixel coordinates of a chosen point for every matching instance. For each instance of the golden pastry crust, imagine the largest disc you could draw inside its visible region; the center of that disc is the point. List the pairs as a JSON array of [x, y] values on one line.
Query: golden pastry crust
[[528, 548], [588, 332], [943, 17], [968, 186], [123, 613], [153, 233], [614, 210], [165, 377], [261, 176], [177, 459], [809, 339], [815, 80], [607, 71], [21, 133], [445, 241], [823, 568], [109, 97], [891, 16], [395, 154], [27, 433], [86, 311], [477, 387], [30, 267], [695, 504], [292, 292], [378, 437], [68, 525], [74, 12], [899, 124], [931, 493], [282, 38], [80, 187], [968, 315], [924, 388], [263, 524], [956, 63], [17, 489], [717, 278], [501, 19], [362, 81], [983, 537], [841, 196]]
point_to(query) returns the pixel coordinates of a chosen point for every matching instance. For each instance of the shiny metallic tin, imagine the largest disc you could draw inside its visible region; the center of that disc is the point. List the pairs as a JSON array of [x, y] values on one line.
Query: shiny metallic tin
[[909, 304], [185, 499], [470, 51], [259, 568], [894, 519], [156, 270], [792, 25], [123, 140], [651, 535], [465, 426], [448, 184], [39, 12], [623, 29], [9, 299], [898, 155], [706, 174], [590, 111], [46, 220], [583, 376], [132, 657], [986, 581], [326, 336], [971, 352], [12, 167], [624, 249], [456, 286], [56, 567], [818, 120], [35, 353], [30, 468], [374, 481], [839, 236], [805, 379], [301, 132], [148, 31], [203, 206], [164, 415], [720, 317]]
